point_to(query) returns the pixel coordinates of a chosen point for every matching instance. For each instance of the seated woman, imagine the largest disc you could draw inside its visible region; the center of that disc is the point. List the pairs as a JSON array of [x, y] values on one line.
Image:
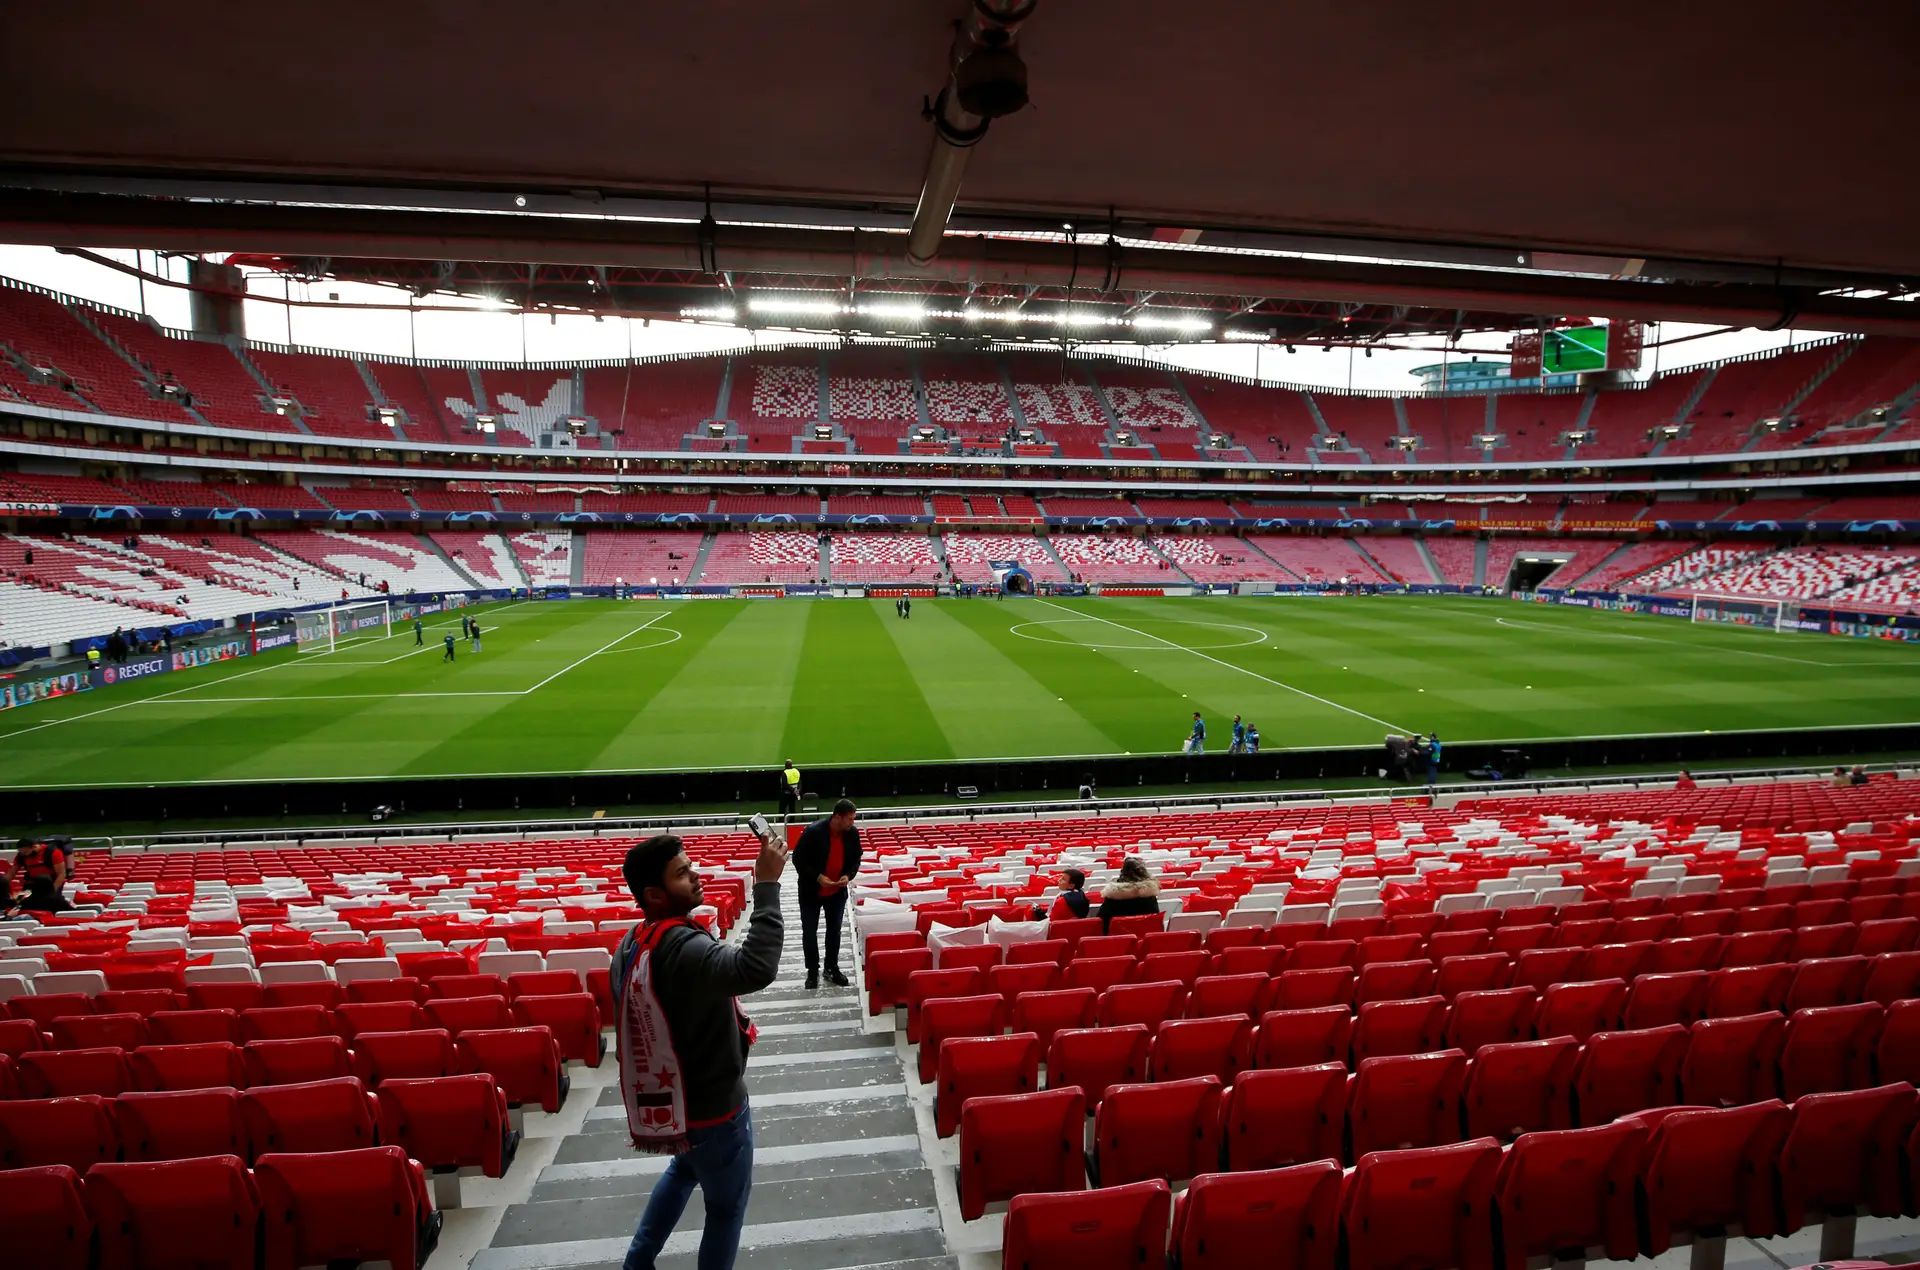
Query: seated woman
[[1072, 900], [1132, 894]]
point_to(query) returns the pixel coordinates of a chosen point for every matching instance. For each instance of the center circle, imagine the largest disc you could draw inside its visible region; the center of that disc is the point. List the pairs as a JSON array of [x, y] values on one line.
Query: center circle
[[1126, 639]]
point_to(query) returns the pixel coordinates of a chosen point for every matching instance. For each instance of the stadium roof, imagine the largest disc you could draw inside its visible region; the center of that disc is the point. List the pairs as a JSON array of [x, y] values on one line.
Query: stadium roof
[[1744, 143]]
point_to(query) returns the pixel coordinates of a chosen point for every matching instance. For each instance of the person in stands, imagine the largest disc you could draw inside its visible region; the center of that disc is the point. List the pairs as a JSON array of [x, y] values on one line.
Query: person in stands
[[1839, 780], [1072, 900], [1684, 784], [1133, 894], [41, 864], [683, 1043], [789, 789], [825, 860]]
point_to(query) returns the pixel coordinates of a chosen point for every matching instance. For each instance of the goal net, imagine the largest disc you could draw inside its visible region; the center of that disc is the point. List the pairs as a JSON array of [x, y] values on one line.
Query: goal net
[[324, 630], [1739, 610]]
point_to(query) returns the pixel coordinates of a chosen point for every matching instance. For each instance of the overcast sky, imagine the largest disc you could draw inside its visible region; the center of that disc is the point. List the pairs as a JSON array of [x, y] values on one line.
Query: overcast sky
[[440, 330]]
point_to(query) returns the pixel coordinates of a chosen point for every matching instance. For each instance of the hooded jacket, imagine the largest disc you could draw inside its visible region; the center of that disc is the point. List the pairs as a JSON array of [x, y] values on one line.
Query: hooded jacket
[[1128, 899]]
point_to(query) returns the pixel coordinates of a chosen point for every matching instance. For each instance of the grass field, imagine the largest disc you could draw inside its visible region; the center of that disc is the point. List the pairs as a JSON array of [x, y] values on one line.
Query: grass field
[[603, 685]]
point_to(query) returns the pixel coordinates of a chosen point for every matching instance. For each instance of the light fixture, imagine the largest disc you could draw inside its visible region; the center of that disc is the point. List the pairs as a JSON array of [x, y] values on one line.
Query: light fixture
[[794, 306], [1171, 320]]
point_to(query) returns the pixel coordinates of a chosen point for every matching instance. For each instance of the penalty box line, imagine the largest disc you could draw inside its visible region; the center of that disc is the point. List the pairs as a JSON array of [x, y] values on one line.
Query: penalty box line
[[1358, 714]]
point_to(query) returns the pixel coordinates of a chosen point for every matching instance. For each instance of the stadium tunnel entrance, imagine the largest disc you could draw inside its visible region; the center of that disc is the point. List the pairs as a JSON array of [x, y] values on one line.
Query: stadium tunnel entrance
[[1011, 577], [1529, 571]]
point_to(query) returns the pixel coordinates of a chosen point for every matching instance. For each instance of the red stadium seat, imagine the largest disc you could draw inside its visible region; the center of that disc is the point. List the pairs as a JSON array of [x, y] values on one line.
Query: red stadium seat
[[1101, 947], [1394, 981], [1169, 1130], [1834, 939], [324, 1115], [1897, 1055], [1648, 927], [1710, 1172], [450, 1122], [1322, 954], [1742, 990], [193, 1027], [886, 975], [1255, 959], [945, 1017], [1184, 1048], [285, 1023], [1303, 1038], [365, 1205], [1160, 942], [525, 1062], [1276, 1118], [296, 1061], [140, 1001], [78, 1132], [1623, 1072], [1099, 973], [63, 1073], [98, 1031], [47, 1212], [1119, 1226], [182, 1125], [45, 1008], [1018, 1144], [356, 1017], [1051, 951], [1829, 1048], [1685, 955], [1222, 938], [1825, 981], [1582, 932], [1421, 1208], [1073, 930], [1416, 1026], [1093, 1059], [324, 993], [1568, 1193], [1140, 924], [17, 1036], [1444, 945], [1150, 1004], [573, 1019], [1179, 967], [1895, 977], [1615, 961], [1580, 1009], [1655, 1000], [448, 987], [884, 941], [1888, 935], [1522, 1087], [457, 1014], [1498, 1016], [1756, 948], [208, 1065], [1407, 1101], [1540, 968], [1841, 1157], [982, 956], [398, 989], [225, 996], [1734, 1061], [1478, 972], [1010, 981], [982, 1066], [1046, 1013], [415, 1055], [1311, 989], [1286, 1219], [559, 983], [175, 1215], [926, 985]]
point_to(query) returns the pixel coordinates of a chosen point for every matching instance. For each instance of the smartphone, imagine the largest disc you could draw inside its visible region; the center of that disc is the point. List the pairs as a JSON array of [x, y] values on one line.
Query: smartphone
[[758, 824]]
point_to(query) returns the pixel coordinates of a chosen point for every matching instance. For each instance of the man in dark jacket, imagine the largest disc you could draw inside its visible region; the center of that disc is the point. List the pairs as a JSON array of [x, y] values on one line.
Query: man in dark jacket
[[694, 979], [824, 862]]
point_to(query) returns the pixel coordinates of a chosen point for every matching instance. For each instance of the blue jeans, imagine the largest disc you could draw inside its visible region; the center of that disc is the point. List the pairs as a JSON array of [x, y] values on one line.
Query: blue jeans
[[720, 1161]]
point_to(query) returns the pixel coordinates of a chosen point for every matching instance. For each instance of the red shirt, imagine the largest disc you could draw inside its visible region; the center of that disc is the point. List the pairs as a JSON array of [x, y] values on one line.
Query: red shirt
[[836, 861]]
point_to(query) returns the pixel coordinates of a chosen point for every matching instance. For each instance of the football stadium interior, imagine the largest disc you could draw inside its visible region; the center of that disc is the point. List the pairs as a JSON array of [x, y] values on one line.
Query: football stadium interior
[[1423, 504]]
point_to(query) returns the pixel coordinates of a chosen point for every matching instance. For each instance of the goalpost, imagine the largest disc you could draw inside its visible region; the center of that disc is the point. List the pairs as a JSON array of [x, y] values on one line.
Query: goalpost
[[324, 630], [1743, 610]]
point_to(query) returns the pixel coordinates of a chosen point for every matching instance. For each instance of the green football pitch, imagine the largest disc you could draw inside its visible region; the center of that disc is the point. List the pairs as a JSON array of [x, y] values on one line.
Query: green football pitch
[[600, 685]]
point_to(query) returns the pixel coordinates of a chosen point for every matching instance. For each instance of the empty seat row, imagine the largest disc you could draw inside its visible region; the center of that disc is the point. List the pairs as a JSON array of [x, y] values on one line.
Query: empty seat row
[[1194, 1081], [369, 1204], [1633, 1187]]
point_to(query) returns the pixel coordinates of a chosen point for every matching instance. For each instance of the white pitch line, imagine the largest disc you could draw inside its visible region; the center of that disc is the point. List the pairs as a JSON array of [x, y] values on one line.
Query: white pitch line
[[596, 652], [1358, 714]]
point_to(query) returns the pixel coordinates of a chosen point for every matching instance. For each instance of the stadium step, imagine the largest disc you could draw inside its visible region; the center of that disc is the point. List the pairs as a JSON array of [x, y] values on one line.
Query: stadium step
[[700, 560], [840, 1178], [427, 543]]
